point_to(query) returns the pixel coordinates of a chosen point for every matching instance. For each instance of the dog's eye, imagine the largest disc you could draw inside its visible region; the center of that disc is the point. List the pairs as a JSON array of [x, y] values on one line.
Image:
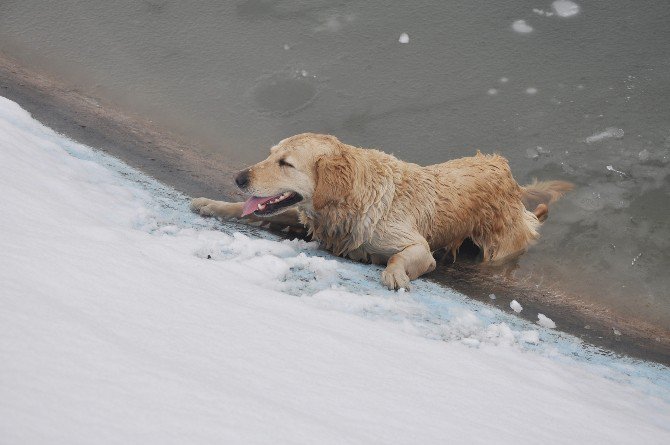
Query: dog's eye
[[283, 163]]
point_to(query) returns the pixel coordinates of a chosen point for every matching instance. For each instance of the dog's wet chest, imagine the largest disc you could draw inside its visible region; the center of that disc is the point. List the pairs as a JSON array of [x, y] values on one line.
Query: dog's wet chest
[[346, 241]]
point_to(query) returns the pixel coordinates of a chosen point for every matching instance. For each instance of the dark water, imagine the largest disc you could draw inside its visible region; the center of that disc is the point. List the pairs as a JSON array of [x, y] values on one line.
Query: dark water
[[235, 77]]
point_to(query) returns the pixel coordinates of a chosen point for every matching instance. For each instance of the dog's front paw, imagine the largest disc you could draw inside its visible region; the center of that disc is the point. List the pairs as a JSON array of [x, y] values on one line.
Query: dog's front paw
[[395, 278], [200, 206]]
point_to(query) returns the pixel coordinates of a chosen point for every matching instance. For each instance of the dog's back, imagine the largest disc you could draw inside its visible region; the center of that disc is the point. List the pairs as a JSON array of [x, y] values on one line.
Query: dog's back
[[478, 198]]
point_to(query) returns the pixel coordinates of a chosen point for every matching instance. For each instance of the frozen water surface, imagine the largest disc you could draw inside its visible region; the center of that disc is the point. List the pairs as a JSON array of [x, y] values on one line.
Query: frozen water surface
[[216, 73]]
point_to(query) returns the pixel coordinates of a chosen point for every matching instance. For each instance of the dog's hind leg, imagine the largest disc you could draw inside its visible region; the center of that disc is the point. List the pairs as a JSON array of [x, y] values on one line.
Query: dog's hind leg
[[512, 238], [408, 264], [230, 210]]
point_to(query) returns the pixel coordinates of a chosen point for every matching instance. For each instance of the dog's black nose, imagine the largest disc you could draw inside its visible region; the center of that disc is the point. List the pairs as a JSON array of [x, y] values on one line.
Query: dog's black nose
[[242, 179]]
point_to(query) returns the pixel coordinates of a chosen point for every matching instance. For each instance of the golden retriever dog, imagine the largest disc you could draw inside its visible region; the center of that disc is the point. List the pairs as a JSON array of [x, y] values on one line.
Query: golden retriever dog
[[370, 206]]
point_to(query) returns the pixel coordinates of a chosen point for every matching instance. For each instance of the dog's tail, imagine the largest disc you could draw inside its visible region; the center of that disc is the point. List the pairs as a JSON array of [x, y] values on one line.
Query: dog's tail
[[538, 195]]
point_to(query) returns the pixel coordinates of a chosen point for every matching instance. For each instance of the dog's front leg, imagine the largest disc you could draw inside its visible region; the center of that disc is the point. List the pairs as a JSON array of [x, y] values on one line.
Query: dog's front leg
[[220, 209], [229, 210], [408, 264]]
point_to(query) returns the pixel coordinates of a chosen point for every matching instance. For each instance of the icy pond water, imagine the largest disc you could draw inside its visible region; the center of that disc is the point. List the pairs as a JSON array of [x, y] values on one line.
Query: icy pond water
[[577, 91]]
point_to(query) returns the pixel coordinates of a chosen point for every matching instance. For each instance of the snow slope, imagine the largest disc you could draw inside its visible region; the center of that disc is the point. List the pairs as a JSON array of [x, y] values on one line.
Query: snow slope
[[116, 328]]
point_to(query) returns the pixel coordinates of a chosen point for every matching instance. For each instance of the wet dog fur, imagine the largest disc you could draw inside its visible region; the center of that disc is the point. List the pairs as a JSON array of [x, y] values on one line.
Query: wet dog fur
[[369, 206]]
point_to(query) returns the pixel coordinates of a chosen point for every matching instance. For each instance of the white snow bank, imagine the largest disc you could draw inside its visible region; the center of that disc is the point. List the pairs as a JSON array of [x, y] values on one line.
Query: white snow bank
[[530, 337], [116, 328]]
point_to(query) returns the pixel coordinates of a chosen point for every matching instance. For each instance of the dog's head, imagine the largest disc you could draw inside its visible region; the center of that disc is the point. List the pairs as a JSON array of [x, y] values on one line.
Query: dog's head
[[343, 190], [289, 176]]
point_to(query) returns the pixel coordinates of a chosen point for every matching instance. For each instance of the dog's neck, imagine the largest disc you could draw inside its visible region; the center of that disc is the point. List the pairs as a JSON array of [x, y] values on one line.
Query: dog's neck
[[340, 229], [336, 235]]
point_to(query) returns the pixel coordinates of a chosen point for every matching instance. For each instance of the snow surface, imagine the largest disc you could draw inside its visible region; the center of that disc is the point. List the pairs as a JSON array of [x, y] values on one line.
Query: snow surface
[[115, 327], [521, 26], [530, 337]]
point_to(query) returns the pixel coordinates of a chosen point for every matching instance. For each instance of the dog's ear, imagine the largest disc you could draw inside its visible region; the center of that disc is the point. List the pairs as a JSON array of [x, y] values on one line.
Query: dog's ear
[[334, 177], [353, 191]]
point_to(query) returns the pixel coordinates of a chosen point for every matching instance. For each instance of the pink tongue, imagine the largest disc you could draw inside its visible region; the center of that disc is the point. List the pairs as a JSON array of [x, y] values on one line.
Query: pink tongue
[[252, 204]]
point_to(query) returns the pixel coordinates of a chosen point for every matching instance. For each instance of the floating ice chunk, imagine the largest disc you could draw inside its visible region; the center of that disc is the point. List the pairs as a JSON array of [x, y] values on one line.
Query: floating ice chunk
[[637, 257], [334, 22], [542, 12], [545, 321], [522, 27], [644, 155], [331, 24], [534, 153], [532, 337], [504, 80], [516, 307], [612, 169], [608, 133], [404, 38], [492, 92], [531, 90], [286, 47], [565, 8], [492, 296], [616, 331]]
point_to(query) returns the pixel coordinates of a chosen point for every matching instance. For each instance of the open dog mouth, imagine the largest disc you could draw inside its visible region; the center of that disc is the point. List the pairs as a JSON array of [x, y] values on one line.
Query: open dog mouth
[[269, 205]]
